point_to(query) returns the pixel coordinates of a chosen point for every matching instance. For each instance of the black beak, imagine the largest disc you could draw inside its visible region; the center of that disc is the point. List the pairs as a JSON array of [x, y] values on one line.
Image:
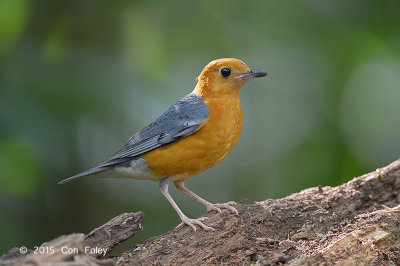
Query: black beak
[[253, 73]]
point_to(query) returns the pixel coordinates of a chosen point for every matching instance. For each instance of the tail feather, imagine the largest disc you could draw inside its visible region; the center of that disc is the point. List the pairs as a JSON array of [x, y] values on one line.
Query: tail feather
[[91, 172]]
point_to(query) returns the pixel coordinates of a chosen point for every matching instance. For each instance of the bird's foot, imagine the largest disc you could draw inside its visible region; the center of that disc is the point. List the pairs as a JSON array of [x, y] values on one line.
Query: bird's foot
[[193, 222], [218, 206]]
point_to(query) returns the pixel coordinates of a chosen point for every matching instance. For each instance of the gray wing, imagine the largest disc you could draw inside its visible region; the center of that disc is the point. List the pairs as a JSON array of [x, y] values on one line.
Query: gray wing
[[180, 120]]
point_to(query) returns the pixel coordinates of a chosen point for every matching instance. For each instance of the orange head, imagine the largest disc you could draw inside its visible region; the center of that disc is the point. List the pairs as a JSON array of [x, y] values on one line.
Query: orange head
[[225, 76]]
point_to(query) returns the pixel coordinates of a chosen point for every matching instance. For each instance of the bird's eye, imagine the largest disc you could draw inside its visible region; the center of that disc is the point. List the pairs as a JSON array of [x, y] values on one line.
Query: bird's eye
[[225, 72]]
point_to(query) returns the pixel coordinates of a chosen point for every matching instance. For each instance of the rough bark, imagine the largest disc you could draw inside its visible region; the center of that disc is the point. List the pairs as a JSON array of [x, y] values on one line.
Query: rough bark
[[79, 249], [111, 234], [355, 223]]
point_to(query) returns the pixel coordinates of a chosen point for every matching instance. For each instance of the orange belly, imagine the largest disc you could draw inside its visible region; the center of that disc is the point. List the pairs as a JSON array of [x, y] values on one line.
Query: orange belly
[[203, 149]]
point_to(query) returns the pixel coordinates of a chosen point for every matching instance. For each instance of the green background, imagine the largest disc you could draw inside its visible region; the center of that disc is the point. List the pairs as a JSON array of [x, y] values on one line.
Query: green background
[[78, 78]]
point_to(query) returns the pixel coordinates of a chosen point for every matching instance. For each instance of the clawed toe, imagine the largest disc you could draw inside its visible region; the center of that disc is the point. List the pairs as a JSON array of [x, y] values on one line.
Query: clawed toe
[[218, 206], [213, 207], [231, 203], [193, 222]]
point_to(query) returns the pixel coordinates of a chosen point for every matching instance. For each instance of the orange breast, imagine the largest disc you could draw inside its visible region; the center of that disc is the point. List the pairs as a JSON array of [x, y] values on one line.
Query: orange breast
[[203, 149]]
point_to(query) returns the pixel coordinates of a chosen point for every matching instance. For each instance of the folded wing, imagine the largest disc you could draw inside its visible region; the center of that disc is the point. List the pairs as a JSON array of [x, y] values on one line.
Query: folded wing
[[182, 119]]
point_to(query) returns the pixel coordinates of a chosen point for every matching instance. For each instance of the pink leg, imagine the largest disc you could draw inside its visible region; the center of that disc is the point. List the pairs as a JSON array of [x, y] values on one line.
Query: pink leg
[[210, 206], [185, 220]]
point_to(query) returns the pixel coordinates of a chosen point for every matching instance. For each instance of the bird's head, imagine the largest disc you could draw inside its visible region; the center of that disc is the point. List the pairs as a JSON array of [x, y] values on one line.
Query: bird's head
[[225, 76]]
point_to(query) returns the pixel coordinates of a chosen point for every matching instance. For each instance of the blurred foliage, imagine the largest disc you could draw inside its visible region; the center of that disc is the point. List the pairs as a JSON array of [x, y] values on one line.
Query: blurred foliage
[[77, 78]]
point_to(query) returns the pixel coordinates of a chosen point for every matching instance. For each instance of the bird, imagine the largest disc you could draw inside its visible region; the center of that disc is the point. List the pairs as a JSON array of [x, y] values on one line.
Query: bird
[[193, 135]]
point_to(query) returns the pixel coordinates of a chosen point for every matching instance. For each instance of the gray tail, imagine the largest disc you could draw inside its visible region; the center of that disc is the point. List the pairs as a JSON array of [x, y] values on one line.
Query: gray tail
[[90, 172]]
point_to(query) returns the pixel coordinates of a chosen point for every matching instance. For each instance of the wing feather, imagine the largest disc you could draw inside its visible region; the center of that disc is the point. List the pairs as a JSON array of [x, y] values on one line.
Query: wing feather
[[180, 120]]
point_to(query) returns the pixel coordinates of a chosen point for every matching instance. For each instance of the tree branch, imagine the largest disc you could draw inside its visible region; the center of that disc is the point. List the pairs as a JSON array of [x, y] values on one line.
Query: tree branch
[[355, 223]]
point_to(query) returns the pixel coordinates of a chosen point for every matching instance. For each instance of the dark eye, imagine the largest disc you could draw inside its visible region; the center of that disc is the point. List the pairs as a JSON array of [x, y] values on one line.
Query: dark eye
[[225, 72]]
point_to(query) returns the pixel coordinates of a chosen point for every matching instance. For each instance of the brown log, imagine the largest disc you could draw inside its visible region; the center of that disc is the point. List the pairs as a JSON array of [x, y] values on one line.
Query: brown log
[[355, 223], [78, 249], [114, 232]]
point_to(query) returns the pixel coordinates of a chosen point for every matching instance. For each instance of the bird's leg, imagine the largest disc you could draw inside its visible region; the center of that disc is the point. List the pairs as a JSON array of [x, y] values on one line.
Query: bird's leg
[[210, 206], [185, 220]]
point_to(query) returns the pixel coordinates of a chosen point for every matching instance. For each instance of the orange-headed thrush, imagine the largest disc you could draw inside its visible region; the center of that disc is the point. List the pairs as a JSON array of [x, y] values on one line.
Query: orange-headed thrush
[[193, 135]]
